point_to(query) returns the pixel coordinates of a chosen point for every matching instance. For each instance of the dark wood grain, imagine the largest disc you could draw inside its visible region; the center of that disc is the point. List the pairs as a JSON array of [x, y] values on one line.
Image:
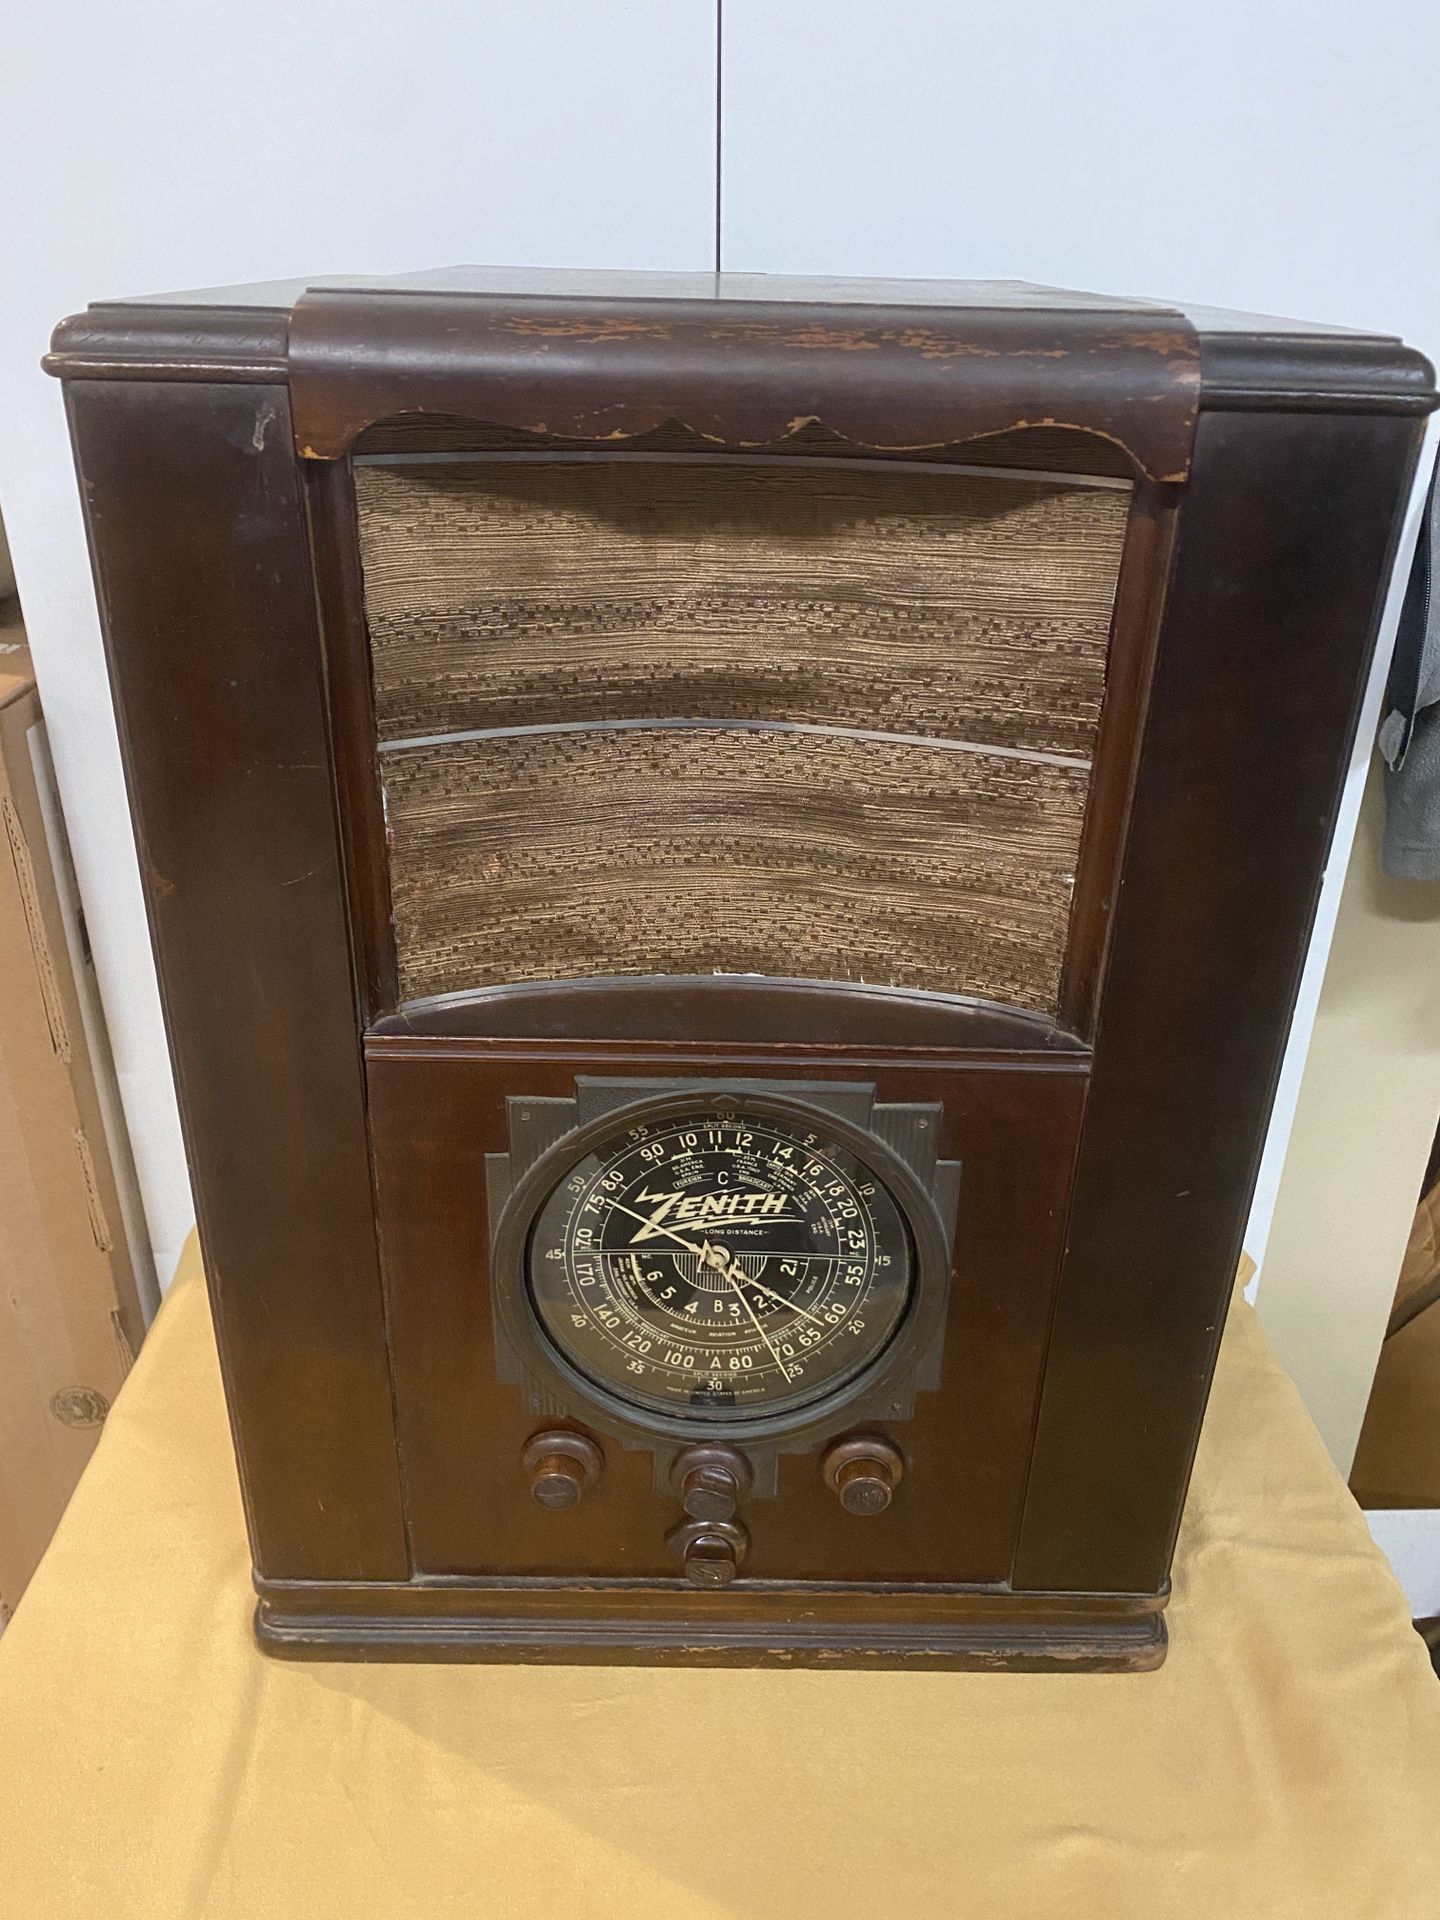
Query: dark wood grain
[[1248, 360], [1135, 628], [1284, 543], [439, 1105], [204, 582], [339, 592], [745, 372], [797, 1014], [1024, 450], [1104, 1187], [785, 1627]]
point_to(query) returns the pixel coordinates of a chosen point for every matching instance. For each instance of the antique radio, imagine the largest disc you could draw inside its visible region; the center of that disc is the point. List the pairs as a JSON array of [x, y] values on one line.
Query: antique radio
[[729, 862]]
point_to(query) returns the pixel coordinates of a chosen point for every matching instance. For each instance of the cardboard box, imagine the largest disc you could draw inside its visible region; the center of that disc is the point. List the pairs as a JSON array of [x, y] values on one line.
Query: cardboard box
[[1397, 1462], [75, 1280]]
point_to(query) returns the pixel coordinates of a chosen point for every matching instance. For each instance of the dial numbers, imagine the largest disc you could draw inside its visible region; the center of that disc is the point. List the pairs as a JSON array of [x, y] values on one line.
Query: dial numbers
[[720, 1265]]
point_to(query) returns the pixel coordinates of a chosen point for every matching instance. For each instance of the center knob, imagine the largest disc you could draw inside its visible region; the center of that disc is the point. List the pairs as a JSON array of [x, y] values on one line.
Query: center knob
[[710, 1493], [711, 1481]]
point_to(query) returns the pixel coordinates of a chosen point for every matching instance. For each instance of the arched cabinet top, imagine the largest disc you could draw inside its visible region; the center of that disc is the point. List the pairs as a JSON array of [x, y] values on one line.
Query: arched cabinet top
[[745, 374]]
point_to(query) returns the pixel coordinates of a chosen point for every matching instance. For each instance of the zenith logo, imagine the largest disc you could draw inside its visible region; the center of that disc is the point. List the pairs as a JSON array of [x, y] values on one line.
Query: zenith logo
[[704, 1209]]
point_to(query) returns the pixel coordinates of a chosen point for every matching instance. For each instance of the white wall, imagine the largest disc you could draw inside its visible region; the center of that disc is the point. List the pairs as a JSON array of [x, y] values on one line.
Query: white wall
[[178, 144], [1366, 1115], [1270, 154], [1411, 1541]]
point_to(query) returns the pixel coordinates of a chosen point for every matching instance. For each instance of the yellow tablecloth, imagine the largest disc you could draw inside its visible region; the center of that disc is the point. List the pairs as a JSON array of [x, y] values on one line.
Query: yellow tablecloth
[[1284, 1762]]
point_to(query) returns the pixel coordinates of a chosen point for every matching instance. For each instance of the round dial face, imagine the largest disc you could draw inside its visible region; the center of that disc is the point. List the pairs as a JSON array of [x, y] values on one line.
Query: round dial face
[[720, 1265]]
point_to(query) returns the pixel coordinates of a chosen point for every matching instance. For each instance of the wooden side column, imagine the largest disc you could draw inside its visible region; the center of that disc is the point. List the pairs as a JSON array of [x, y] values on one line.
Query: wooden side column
[[205, 587], [1285, 539]]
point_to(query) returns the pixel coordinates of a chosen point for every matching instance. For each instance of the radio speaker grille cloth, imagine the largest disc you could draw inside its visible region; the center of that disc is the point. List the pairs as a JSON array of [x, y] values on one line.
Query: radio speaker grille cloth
[[699, 850], [885, 633]]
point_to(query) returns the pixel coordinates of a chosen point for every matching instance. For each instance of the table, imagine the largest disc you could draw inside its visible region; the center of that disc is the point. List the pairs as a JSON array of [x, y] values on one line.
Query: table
[[1285, 1760]]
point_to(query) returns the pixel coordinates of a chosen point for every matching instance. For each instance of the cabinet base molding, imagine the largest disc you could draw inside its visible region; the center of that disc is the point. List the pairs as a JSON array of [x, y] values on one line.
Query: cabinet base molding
[[980, 1631]]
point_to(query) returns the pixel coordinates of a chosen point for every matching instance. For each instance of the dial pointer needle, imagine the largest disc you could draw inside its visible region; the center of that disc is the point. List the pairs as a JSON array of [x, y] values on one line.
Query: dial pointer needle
[[793, 1305], [784, 1370], [701, 1254]]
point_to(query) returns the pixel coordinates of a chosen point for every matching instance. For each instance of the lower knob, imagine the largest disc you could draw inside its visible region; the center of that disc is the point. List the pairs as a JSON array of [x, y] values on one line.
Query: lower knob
[[711, 1550], [711, 1561], [561, 1466], [864, 1472]]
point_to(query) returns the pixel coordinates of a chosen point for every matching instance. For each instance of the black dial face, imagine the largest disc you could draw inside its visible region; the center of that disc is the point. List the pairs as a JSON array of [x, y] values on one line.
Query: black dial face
[[720, 1265]]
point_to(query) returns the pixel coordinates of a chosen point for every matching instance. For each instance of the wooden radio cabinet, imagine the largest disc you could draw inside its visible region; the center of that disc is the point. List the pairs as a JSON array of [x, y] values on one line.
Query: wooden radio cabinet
[[729, 861]]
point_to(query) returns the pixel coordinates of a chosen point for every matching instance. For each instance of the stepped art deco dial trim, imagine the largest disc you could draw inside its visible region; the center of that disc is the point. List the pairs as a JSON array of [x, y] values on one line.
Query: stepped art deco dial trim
[[722, 1258]]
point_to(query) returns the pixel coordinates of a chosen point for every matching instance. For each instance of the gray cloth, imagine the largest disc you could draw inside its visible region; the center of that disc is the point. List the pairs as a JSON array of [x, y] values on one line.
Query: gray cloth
[[1410, 732]]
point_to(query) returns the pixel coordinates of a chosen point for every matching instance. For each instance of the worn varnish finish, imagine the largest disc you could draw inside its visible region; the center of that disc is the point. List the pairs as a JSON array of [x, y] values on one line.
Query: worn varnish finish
[[1109, 1133], [752, 373], [1240, 748], [219, 697], [439, 1103], [1040, 450], [726, 1007]]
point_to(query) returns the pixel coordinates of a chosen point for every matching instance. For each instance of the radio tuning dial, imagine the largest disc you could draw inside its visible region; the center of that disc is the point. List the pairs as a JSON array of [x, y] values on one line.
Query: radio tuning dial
[[706, 1264]]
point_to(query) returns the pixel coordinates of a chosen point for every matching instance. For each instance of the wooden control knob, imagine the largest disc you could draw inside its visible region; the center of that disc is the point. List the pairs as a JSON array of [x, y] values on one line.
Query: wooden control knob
[[710, 1561], [864, 1472], [561, 1466], [864, 1486], [711, 1481], [710, 1550]]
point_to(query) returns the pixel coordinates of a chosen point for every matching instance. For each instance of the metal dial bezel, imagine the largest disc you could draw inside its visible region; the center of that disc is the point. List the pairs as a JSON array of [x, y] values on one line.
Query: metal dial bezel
[[865, 1395]]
